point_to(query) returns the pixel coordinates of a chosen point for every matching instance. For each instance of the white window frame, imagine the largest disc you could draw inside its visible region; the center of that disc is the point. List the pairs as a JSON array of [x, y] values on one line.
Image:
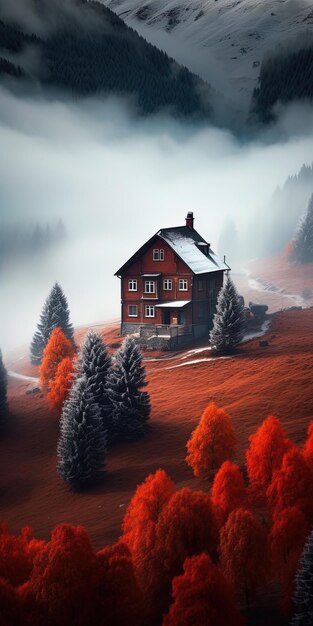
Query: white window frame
[[168, 284], [183, 284], [149, 310], [132, 314], [158, 254], [132, 284], [150, 286]]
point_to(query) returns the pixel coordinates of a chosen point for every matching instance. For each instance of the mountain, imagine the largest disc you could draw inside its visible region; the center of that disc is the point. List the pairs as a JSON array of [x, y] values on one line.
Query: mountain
[[84, 48], [224, 41]]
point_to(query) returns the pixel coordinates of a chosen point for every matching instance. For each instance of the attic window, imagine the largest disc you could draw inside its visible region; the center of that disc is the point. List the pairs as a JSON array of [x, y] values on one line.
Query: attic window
[[204, 247], [158, 255]]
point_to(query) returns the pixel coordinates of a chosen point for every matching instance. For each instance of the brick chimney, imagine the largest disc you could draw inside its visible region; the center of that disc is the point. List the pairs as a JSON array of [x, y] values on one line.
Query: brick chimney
[[190, 220]]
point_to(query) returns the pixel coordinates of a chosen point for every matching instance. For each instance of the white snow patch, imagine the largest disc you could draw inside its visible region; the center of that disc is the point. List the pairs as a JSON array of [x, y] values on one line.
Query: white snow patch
[[258, 333], [172, 367], [196, 351]]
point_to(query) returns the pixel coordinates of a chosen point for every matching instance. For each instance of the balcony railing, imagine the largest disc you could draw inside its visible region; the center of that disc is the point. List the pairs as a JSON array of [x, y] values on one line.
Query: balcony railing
[[166, 330]]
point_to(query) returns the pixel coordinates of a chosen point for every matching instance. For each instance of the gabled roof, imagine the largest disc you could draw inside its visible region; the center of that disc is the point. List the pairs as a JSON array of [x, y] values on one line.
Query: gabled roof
[[189, 247]]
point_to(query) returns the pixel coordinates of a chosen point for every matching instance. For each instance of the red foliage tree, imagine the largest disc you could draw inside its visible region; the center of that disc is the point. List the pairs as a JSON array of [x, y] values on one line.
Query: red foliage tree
[[202, 596], [116, 575], [228, 491], [10, 605], [212, 442], [287, 539], [308, 448], [57, 348], [65, 577], [141, 517], [244, 553], [265, 454], [17, 554], [292, 485], [186, 527], [59, 386]]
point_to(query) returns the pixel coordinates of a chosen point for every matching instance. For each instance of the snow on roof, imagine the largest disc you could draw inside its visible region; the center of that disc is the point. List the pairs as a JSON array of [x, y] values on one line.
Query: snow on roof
[[151, 275], [189, 246], [177, 304], [185, 242]]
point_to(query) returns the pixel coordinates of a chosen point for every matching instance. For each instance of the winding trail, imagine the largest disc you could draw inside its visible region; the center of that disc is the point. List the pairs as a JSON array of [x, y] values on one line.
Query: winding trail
[[30, 379]]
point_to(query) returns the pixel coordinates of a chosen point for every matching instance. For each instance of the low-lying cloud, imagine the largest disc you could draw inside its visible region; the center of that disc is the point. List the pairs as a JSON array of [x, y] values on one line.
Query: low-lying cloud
[[115, 180]]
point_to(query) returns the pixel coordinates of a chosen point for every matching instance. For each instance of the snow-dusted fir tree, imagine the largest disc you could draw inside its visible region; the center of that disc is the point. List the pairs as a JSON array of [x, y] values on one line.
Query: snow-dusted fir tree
[[96, 364], [302, 245], [131, 406], [55, 313], [229, 320], [303, 598], [3, 395], [82, 443]]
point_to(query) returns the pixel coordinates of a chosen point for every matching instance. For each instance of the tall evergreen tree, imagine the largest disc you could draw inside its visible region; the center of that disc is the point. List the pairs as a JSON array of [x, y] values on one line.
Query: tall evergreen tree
[[303, 598], [131, 407], [302, 247], [82, 443], [229, 319], [55, 313], [96, 364], [3, 394]]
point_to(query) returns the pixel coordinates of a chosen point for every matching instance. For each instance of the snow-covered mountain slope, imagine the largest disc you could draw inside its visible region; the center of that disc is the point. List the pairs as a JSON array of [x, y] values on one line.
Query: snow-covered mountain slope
[[222, 40]]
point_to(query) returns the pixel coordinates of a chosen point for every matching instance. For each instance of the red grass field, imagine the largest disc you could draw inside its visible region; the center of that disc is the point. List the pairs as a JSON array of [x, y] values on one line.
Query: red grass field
[[257, 381]]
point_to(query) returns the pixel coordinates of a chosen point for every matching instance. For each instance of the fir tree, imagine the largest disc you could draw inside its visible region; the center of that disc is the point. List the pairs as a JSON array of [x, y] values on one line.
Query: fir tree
[[303, 598], [55, 313], [82, 443], [229, 319], [96, 364], [3, 394], [131, 407], [302, 245]]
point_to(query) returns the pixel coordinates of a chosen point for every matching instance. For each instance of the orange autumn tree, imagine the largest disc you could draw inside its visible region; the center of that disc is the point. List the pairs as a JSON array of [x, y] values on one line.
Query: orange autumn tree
[[265, 454], [228, 491], [140, 521], [60, 385], [212, 442], [244, 553], [292, 485], [202, 596], [57, 348]]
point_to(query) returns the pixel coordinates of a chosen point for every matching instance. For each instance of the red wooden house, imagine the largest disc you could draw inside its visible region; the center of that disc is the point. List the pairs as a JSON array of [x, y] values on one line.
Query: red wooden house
[[169, 287]]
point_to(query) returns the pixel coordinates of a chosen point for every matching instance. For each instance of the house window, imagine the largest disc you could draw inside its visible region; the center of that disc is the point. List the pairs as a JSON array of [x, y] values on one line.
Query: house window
[[132, 285], [149, 286], [158, 255], [132, 310], [167, 284], [200, 284], [149, 311], [183, 284]]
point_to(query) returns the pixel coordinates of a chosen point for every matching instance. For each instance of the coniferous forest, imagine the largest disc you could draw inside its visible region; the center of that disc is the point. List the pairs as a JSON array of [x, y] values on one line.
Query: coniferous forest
[[284, 78], [89, 50]]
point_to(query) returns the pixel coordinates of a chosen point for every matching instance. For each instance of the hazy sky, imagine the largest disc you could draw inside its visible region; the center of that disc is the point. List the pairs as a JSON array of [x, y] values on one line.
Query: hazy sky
[[115, 181]]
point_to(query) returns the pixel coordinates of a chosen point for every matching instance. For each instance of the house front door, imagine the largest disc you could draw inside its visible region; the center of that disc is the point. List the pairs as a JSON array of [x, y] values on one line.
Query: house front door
[[166, 316], [182, 318]]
